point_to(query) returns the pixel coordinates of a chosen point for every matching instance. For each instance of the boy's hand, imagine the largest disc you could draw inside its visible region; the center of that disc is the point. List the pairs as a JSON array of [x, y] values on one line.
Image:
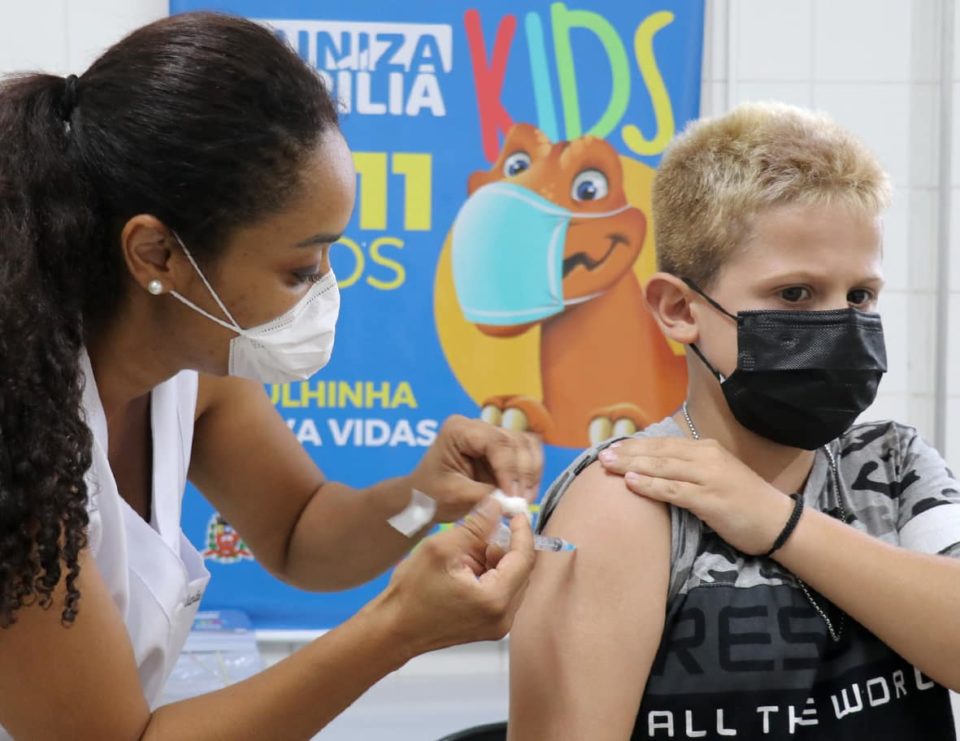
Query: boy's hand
[[703, 477]]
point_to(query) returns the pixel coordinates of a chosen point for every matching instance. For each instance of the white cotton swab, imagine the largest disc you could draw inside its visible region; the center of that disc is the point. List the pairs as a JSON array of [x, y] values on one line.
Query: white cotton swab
[[519, 506], [511, 505]]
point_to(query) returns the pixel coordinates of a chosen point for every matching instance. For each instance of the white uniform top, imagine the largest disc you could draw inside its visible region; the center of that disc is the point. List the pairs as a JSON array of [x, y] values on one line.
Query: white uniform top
[[154, 574]]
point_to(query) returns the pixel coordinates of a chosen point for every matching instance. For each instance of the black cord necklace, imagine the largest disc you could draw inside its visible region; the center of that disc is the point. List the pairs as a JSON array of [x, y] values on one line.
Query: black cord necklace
[[836, 632]]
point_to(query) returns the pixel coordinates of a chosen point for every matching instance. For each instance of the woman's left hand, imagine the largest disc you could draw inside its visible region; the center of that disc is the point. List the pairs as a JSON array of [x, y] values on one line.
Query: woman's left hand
[[704, 478], [469, 458]]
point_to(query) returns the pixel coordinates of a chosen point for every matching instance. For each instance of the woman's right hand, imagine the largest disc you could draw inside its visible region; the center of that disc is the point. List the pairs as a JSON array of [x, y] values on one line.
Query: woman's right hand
[[455, 589]]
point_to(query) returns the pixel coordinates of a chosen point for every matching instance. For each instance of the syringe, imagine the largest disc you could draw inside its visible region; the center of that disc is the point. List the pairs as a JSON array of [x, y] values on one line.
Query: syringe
[[501, 537]]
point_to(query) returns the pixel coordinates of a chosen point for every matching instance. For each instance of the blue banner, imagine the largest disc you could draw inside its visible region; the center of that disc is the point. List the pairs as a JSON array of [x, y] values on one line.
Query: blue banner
[[536, 128]]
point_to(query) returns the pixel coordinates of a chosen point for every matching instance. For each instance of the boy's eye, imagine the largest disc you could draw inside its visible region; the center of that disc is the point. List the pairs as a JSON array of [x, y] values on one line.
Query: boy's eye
[[859, 296], [795, 294]]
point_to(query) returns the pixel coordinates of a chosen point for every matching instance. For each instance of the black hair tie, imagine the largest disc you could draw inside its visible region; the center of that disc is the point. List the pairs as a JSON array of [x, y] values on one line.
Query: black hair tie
[[69, 97]]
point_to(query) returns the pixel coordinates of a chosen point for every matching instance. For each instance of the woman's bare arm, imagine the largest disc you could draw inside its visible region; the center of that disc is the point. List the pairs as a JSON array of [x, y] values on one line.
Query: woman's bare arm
[[81, 682]]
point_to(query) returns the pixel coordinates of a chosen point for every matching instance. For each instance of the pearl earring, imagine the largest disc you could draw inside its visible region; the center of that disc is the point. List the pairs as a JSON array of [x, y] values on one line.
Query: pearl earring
[[155, 287]]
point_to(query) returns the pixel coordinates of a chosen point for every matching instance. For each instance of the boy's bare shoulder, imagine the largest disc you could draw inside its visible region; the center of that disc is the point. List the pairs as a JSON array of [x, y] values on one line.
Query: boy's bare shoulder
[[599, 514], [572, 478]]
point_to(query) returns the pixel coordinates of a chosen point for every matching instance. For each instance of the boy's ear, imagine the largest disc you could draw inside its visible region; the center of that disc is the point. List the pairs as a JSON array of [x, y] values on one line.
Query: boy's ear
[[668, 298]]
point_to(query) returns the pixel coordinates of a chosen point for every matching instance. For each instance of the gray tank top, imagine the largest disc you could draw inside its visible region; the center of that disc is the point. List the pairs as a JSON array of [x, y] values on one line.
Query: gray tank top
[[744, 653]]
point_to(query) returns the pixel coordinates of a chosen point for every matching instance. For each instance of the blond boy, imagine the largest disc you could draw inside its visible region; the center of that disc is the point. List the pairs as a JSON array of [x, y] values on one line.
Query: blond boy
[[704, 600]]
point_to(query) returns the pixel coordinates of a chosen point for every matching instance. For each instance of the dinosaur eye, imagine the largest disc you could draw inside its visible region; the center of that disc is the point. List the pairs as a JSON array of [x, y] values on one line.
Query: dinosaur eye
[[589, 185], [516, 163]]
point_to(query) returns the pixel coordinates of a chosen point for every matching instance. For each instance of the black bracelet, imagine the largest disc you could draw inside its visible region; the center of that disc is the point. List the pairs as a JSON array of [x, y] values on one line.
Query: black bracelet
[[789, 527]]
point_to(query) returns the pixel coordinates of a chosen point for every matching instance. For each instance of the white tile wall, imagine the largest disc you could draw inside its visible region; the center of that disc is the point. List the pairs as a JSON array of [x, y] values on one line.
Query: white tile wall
[[796, 93], [953, 352], [920, 414], [887, 406], [34, 38], [955, 148], [862, 40], [924, 142], [713, 98], [62, 37], [114, 20], [925, 40], [953, 443], [896, 242], [717, 62], [920, 248], [782, 55], [715, 42], [879, 113], [915, 410], [920, 343], [955, 238], [895, 309]]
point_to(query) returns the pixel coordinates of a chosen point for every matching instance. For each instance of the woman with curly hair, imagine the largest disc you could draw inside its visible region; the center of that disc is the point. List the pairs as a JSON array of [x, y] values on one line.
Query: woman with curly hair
[[165, 223]]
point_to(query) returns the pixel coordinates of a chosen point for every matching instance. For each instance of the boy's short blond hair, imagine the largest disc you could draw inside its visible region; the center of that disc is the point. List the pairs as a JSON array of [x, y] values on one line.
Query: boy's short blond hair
[[720, 172]]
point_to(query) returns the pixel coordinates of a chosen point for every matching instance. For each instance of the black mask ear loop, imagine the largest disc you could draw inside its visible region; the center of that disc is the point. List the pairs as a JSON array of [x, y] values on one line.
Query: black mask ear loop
[[693, 345], [713, 303]]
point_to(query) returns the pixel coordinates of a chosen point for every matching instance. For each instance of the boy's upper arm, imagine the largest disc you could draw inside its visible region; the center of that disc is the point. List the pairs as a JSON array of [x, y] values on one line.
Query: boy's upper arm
[[590, 625]]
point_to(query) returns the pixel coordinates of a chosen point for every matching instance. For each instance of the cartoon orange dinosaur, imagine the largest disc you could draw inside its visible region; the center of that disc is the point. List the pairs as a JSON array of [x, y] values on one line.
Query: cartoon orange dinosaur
[[606, 369]]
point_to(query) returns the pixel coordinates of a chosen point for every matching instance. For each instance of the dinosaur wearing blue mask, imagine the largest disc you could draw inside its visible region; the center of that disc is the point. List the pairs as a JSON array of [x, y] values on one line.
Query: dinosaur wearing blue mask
[[547, 238]]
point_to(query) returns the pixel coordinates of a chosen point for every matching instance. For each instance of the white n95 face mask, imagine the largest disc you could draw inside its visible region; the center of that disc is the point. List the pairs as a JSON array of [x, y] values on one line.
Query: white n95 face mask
[[291, 347]]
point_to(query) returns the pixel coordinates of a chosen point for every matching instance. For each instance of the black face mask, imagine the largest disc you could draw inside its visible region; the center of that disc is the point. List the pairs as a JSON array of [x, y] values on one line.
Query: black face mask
[[802, 377]]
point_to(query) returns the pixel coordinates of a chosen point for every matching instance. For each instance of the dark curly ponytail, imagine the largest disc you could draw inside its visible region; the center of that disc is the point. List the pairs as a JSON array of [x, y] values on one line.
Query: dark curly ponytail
[[201, 120]]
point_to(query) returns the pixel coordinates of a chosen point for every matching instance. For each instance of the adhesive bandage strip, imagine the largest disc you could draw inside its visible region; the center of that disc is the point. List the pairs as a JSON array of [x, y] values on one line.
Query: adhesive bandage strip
[[416, 515]]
